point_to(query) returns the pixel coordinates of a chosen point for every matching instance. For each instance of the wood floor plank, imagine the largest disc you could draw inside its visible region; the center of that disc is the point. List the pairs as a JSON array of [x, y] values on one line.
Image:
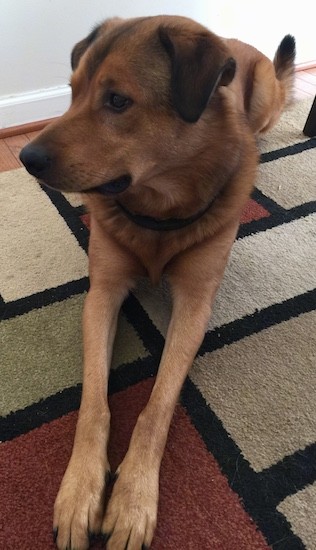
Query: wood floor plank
[[33, 135], [24, 128], [7, 159], [300, 94], [15, 144], [305, 86], [307, 77]]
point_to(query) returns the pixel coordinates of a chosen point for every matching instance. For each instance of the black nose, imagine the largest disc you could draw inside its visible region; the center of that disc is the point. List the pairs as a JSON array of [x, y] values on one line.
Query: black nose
[[36, 159]]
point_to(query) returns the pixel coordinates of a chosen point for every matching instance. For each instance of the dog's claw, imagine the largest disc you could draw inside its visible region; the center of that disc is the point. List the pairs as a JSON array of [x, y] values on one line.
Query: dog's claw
[[111, 477], [105, 537], [114, 476], [55, 534]]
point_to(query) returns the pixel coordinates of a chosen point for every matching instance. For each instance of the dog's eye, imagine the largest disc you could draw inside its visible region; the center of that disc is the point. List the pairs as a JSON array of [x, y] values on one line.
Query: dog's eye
[[118, 102]]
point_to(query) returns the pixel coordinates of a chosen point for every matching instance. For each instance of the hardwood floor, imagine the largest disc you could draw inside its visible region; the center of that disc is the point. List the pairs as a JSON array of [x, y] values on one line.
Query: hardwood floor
[[305, 86], [305, 83], [10, 148]]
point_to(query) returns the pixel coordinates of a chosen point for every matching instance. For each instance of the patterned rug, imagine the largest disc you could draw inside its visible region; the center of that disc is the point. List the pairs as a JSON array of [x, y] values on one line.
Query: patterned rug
[[239, 471]]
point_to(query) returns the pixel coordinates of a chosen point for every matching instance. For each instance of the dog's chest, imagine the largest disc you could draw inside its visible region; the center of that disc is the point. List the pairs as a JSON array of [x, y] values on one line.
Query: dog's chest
[[157, 256], [154, 261]]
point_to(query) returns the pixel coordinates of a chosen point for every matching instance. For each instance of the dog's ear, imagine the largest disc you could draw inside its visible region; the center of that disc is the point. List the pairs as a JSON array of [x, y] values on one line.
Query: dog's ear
[[199, 64], [82, 46]]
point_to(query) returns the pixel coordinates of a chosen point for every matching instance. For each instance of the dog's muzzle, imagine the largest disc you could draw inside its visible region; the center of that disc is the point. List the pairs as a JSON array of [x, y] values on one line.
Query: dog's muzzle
[[38, 163]]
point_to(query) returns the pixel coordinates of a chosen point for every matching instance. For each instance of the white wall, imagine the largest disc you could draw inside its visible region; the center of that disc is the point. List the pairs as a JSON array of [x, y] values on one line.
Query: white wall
[[264, 23], [37, 37]]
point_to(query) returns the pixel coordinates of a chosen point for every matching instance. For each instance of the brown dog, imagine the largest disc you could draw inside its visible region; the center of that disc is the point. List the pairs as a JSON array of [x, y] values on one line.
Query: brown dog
[[160, 138]]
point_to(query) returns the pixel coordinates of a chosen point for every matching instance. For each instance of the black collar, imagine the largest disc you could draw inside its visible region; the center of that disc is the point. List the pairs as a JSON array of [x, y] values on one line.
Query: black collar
[[169, 224]]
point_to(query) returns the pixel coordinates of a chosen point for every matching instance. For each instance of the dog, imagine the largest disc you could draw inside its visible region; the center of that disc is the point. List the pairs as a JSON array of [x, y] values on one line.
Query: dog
[[161, 139]]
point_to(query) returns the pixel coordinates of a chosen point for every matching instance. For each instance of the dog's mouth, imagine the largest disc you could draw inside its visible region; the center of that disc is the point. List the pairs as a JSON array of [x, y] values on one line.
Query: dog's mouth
[[113, 187]]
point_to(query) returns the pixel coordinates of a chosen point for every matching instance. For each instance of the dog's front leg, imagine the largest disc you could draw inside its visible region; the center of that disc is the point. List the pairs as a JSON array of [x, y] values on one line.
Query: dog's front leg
[[194, 277], [79, 506]]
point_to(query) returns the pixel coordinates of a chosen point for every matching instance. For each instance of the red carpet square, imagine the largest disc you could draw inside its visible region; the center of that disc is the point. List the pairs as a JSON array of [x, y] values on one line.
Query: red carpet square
[[197, 507], [253, 211]]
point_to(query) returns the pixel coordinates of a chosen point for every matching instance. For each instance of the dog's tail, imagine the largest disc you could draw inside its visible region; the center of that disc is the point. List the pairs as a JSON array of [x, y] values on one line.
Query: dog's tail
[[284, 66]]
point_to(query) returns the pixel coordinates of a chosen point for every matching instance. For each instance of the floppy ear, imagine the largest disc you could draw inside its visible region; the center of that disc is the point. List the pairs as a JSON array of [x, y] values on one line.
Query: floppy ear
[[199, 64], [82, 46]]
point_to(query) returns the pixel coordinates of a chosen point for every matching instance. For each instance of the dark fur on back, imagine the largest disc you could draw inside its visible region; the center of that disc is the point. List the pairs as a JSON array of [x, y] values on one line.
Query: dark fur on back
[[285, 54], [284, 64]]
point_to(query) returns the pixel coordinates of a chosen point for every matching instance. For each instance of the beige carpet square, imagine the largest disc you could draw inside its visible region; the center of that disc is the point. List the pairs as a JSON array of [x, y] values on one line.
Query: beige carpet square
[[300, 511], [267, 268], [289, 129], [38, 250], [264, 269], [263, 389], [281, 180]]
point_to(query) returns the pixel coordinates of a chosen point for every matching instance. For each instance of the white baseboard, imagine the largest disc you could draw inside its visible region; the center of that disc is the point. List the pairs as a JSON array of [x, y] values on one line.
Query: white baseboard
[[33, 106]]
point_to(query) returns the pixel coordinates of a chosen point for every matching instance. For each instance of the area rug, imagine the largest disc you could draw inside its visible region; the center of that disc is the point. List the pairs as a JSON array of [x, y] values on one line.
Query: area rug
[[239, 471]]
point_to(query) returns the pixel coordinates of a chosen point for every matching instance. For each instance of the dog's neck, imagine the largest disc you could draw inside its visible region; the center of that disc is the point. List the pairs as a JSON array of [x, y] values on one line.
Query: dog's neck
[[166, 224]]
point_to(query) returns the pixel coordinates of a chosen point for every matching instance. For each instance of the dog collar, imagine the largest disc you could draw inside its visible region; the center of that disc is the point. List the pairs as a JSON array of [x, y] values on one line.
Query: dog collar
[[168, 224]]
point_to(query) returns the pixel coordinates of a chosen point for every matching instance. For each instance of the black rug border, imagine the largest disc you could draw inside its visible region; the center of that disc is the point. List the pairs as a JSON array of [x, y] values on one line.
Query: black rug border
[[288, 150], [259, 498]]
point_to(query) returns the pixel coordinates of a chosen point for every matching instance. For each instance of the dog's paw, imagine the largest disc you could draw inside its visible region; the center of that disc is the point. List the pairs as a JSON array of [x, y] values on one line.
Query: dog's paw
[[79, 506], [131, 515]]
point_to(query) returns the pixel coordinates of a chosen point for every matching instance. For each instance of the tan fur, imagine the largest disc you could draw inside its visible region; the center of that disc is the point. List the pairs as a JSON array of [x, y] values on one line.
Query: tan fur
[[177, 168]]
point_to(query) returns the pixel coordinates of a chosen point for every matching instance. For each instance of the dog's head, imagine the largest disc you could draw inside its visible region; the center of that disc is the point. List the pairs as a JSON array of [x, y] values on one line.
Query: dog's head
[[140, 91]]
